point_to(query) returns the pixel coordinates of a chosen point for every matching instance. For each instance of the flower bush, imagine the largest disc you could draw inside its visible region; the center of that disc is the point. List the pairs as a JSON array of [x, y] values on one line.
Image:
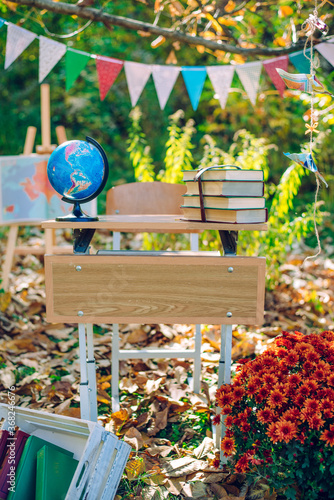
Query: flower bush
[[278, 413]]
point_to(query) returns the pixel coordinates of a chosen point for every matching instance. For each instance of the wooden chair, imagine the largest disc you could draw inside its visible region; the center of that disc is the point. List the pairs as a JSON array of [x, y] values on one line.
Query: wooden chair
[[154, 198]]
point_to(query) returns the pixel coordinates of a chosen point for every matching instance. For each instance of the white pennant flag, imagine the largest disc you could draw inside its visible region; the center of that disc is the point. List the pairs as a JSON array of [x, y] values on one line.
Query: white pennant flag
[[221, 79], [164, 78], [50, 52], [137, 75], [249, 74], [327, 51], [18, 40]]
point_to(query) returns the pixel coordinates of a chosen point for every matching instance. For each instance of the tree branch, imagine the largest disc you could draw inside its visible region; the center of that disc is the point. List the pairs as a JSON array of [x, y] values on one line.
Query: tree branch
[[171, 34]]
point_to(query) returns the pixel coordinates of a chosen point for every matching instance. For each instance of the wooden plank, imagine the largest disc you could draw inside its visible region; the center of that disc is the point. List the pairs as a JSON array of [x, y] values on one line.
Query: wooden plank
[[175, 289], [151, 224]]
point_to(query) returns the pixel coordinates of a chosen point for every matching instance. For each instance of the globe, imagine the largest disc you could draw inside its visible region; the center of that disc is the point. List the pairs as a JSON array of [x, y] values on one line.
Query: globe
[[78, 171]]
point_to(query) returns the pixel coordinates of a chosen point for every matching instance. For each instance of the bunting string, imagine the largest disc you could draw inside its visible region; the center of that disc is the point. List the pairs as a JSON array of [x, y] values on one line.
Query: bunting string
[[164, 76]]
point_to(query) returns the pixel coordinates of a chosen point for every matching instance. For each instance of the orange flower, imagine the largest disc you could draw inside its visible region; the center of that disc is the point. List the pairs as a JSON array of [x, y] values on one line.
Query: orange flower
[[328, 436], [312, 356], [311, 404], [315, 421], [330, 380], [293, 414], [294, 379], [286, 430], [269, 378], [265, 415], [312, 385], [228, 422], [242, 464], [327, 404], [291, 359], [276, 398], [319, 375], [272, 432], [238, 393], [228, 446]]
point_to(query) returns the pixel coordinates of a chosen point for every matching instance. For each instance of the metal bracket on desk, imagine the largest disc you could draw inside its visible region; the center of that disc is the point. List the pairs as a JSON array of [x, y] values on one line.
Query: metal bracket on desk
[[229, 241], [82, 239]]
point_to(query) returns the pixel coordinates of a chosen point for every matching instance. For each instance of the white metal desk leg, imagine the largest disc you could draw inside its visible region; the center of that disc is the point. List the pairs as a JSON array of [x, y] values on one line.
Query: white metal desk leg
[[116, 240], [91, 372], [224, 377], [84, 397], [115, 368], [197, 360]]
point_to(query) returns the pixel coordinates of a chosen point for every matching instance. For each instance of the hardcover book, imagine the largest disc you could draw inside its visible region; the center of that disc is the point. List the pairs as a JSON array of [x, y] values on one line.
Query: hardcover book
[[235, 202], [54, 473], [229, 216], [3, 445], [227, 188], [15, 446], [25, 477], [229, 174]]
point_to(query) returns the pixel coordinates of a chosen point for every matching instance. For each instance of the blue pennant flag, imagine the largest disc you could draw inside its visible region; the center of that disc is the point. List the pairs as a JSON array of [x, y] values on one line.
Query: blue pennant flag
[[2, 22], [194, 78], [300, 62]]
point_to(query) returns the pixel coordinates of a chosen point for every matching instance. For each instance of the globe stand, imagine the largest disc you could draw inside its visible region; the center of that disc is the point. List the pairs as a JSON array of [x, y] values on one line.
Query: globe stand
[[77, 214]]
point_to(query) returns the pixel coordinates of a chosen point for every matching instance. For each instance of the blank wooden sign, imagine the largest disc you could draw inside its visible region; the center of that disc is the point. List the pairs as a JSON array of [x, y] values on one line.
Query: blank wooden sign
[[155, 289]]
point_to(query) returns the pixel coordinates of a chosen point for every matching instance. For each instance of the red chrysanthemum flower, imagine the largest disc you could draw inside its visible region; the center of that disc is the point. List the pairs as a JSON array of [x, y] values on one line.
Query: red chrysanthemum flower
[[276, 398], [291, 359], [312, 357], [312, 405], [315, 421], [265, 415], [228, 446], [294, 379], [271, 432], [328, 436], [224, 399], [327, 404], [286, 430], [264, 391], [251, 389], [330, 380], [269, 378], [216, 420], [238, 393], [293, 414], [299, 400], [328, 414], [245, 427], [312, 384], [228, 422], [242, 464], [281, 352], [319, 375]]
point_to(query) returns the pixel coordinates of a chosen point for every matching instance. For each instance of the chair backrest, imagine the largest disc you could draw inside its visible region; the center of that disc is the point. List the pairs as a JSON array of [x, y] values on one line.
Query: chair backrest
[[145, 198]]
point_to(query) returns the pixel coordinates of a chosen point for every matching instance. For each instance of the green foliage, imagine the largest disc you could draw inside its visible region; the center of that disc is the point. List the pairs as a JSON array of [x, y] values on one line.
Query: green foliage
[[178, 149], [139, 150]]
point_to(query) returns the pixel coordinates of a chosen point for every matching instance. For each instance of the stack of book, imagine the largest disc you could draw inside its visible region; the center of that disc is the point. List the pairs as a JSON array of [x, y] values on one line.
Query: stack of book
[[33, 469], [228, 195]]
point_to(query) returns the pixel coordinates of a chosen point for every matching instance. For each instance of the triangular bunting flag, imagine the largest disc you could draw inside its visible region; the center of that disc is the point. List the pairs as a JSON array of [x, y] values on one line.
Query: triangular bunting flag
[[50, 52], [327, 51], [76, 60], [300, 62], [2, 22], [270, 67], [18, 40], [164, 78], [221, 78], [107, 72], [137, 75], [249, 74], [194, 78]]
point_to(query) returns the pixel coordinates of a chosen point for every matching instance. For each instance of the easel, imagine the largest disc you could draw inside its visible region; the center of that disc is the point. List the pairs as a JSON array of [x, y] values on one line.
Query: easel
[[45, 148]]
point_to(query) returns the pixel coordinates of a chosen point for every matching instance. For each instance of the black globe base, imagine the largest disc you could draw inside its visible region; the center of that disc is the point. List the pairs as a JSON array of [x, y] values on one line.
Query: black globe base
[[77, 215]]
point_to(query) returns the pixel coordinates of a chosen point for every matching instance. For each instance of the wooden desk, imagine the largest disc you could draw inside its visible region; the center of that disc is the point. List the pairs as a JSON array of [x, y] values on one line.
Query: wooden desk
[[167, 287]]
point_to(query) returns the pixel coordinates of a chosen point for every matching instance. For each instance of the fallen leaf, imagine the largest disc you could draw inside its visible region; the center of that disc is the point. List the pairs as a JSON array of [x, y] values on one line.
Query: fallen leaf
[[133, 438], [204, 448], [183, 466]]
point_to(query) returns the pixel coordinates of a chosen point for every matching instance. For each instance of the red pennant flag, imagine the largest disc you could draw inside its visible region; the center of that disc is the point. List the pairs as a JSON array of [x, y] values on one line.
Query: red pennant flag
[[107, 72], [270, 67]]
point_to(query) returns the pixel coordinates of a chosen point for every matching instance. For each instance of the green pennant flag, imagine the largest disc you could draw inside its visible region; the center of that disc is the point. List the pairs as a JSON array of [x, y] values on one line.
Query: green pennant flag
[[75, 62]]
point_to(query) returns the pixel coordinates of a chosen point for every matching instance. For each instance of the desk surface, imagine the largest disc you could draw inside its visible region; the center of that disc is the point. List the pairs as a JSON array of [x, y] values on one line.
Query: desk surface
[[151, 223]]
